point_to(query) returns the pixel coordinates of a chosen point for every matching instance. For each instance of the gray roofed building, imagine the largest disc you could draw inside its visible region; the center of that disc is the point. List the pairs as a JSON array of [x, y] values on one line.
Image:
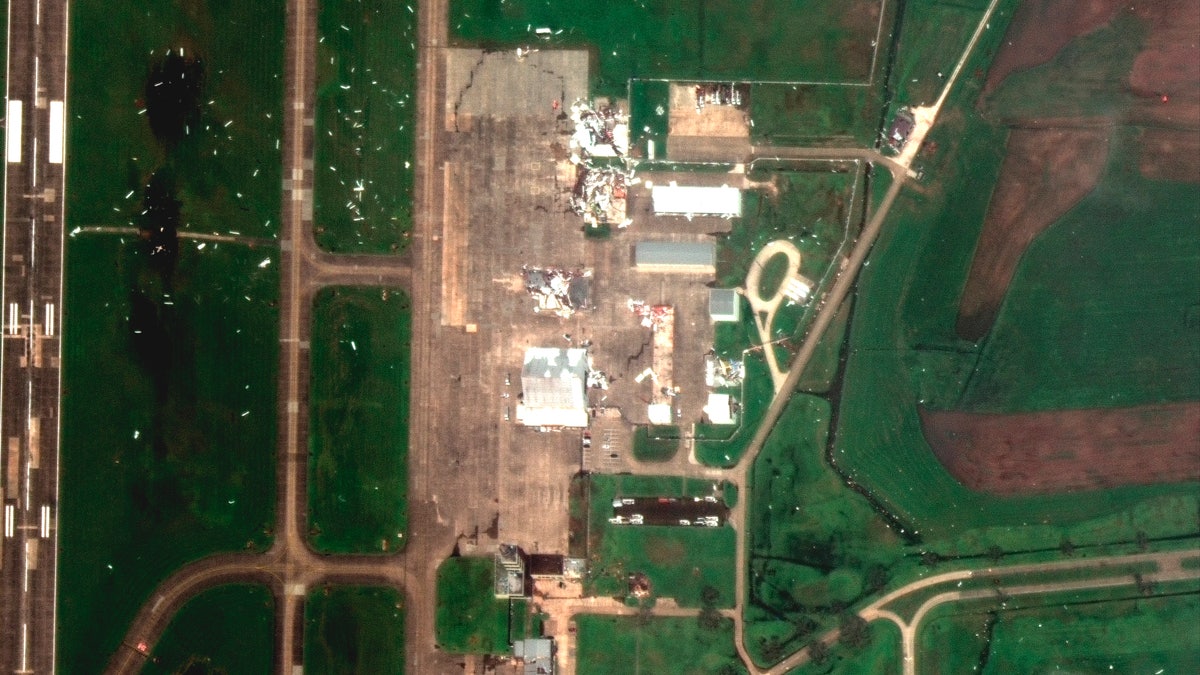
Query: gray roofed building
[[537, 655], [723, 304], [675, 256]]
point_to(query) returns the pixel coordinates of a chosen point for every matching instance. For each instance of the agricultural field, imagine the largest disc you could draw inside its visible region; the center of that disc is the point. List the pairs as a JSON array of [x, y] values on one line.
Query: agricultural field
[[470, 618], [364, 124], [905, 353], [680, 562], [354, 629], [610, 645], [228, 629], [358, 474], [170, 360]]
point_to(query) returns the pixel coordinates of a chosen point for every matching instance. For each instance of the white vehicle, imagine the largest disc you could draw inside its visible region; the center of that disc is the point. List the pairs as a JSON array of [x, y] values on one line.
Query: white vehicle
[[684, 522], [616, 503], [710, 499], [637, 519], [627, 501], [617, 520], [711, 521]]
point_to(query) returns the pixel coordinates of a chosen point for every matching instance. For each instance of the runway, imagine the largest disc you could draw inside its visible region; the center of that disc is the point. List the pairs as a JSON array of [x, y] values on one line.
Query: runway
[[32, 324]]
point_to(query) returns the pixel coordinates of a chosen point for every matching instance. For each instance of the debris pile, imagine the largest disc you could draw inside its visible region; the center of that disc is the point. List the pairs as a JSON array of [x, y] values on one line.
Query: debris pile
[[558, 291], [599, 195], [654, 317], [716, 93], [719, 372], [602, 132]]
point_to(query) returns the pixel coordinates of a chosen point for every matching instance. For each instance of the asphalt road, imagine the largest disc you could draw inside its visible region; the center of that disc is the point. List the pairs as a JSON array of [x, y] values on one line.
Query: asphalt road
[[32, 302]]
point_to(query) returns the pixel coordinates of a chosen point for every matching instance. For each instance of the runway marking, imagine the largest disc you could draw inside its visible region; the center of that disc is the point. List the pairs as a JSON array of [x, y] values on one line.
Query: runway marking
[[24, 647], [9, 525], [13, 141], [56, 132], [14, 318], [49, 319], [45, 530]]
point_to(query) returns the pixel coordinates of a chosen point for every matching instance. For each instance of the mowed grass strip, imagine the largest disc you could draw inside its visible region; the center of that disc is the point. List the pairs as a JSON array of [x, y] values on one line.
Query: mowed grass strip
[[354, 629], [611, 645], [358, 474], [365, 118], [470, 618], [168, 444], [228, 629]]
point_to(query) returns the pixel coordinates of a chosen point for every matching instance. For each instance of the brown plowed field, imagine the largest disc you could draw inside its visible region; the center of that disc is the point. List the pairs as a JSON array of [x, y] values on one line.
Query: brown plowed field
[[1042, 27], [1045, 173], [1052, 163], [1067, 450]]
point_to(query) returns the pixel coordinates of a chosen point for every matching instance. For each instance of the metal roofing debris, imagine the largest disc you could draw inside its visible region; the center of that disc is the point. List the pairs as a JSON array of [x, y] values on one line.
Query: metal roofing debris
[[599, 195], [558, 291], [720, 372], [691, 201]]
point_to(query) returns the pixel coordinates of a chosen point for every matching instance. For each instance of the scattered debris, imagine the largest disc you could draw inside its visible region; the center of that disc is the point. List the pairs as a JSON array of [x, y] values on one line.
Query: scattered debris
[[558, 291], [599, 195], [719, 372]]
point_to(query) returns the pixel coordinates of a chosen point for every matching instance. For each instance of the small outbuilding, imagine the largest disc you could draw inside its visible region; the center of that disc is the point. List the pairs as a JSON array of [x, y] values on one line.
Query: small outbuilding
[[723, 305]]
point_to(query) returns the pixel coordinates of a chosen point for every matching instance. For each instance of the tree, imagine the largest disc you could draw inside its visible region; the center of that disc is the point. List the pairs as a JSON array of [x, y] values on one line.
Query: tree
[[709, 596], [709, 619], [876, 578], [1067, 548], [854, 631], [994, 553], [772, 649], [818, 652], [930, 558], [1143, 541], [804, 626]]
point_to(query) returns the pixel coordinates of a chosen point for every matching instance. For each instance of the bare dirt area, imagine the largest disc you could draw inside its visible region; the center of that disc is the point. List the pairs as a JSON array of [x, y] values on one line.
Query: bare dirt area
[[1040, 28], [1045, 173], [711, 120], [1068, 450], [1170, 154], [1166, 73]]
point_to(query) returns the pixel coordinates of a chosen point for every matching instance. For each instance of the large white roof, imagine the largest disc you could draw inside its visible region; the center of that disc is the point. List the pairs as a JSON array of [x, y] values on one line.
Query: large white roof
[[554, 383], [696, 201]]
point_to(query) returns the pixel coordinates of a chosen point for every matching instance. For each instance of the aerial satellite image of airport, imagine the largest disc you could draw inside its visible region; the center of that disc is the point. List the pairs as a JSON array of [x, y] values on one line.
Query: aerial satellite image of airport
[[600, 337]]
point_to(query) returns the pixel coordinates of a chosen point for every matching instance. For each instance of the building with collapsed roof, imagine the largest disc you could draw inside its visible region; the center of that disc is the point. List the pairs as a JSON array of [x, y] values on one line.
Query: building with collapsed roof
[[678, 200], [553, 384]]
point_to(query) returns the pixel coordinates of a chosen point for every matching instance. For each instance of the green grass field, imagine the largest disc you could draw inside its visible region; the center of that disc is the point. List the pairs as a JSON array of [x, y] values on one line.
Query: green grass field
[[880, 656], [713, 39], [358, 477], [228, 168], [610, 645], [354, 629], [470, 619], [655, 443], [228, 630], [365, 120], [1089, 635], [679, 561], [814, 114], [169, 435]]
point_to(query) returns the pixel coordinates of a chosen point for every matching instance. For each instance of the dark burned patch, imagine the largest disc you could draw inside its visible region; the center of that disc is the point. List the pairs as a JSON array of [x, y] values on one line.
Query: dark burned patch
[[174, 91]]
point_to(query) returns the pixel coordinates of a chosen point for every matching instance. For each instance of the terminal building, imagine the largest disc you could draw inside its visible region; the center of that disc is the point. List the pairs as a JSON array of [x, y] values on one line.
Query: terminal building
[[554, 388]]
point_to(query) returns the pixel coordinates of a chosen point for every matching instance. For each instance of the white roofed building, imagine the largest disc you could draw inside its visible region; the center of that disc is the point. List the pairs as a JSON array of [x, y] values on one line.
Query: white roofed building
[[554, 388], [675, 200]]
